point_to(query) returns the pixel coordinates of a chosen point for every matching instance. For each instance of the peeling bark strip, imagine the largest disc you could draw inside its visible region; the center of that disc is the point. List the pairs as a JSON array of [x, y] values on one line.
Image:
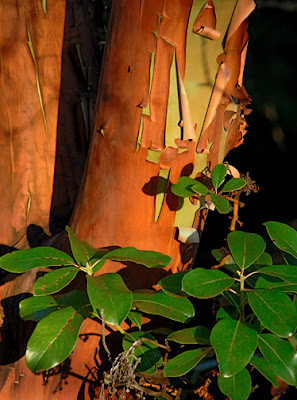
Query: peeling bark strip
[[170, 102]]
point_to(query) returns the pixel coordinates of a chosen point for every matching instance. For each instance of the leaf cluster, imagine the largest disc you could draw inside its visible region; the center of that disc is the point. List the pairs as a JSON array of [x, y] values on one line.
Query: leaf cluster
[[217, 196], [255, 323]]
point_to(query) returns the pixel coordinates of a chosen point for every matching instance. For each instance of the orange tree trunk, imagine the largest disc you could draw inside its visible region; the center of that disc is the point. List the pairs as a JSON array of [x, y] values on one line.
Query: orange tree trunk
[[170, 103]]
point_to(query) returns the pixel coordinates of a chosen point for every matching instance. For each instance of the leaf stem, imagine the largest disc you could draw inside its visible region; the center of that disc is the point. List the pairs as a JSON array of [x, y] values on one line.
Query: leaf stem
[[242, 295], [121, 330]]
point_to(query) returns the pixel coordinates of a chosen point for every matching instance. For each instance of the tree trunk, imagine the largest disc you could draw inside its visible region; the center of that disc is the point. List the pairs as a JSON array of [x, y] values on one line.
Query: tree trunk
[[170, 103]]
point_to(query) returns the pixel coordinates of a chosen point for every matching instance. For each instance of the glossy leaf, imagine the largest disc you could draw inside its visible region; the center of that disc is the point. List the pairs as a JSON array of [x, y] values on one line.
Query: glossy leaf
[[151, 259], [54, 338], [159, 303], [283, 236], [184, 362], [23, 260], [54, 281], [172, 284], [206, 283], [227, 312], [218, 175], [270, 282], [233, 184], [109, 292], [289, 259], [232, 299], [150, 354], [234, 344], [275, 310], [183, 187], [265, 369], [82, 251], [195, 335], [264, 260], [281, 355], [36, 308], [287, 273], [221, 203], [200, 188], [136, 318], [236, 387], [245, 248]]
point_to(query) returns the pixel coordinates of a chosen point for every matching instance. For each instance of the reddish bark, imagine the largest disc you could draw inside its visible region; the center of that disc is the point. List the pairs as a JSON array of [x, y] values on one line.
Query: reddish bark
[[116, 205]]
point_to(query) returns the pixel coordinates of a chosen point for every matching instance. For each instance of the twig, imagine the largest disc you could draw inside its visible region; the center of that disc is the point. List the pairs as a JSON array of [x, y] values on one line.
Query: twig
[[103, 336], [221, 263], [101, 394], [235, 218], [140, 341]]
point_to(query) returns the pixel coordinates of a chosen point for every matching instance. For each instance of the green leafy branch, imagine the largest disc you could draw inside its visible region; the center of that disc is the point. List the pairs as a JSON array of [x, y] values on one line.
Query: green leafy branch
[[221, 195], [255, 326]]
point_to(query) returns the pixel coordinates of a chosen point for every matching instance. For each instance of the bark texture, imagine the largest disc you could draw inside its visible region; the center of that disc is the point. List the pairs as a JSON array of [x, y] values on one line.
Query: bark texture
[[170, 103]]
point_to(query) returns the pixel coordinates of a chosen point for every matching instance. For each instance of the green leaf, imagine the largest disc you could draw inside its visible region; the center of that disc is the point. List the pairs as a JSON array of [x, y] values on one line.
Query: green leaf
[[36, 308], [265, 369], [54, 338], [236, 387], [218, 175], [275, 310], [109, 292], [245, 248], [136, 318], [172, 284], [149, 352], [54, 281], [200, 188], [195, 335], [150, 259], [22, 260], [281, 355], [227, 312], [206, 283], [289, 259], [184, 362], [287, 273], [159, 303], [183, 187], [264, 259], [283, 236], [234, 344], [233, 185], [270, 282], [221, 203], [83, 252], [233, 299]]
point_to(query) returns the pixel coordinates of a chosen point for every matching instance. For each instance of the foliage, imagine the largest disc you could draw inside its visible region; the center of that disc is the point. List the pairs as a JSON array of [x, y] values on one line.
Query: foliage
[[189, 187], [256, 317], [61, 315]]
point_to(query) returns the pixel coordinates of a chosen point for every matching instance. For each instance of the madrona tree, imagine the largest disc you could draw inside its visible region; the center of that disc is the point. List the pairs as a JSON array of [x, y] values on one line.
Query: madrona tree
[[170, 103]]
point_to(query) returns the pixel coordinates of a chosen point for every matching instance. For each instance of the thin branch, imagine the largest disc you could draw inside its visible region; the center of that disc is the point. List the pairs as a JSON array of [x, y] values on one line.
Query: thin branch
[[235, 217], [103, 336], [221, 263]]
